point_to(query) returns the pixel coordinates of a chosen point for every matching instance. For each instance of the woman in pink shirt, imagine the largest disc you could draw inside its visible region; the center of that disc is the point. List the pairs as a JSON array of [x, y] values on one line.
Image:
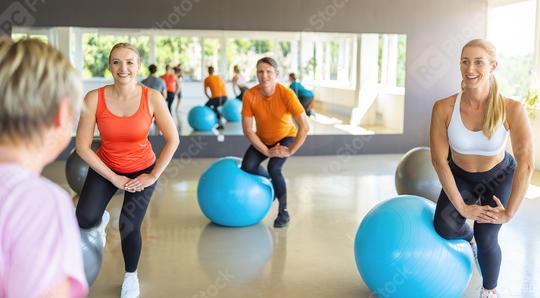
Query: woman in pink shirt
[[40, 247]]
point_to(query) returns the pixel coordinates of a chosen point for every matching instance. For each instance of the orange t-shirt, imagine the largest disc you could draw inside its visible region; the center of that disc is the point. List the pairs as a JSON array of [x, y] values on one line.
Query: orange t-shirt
[[273, 114], [216, 85], [170, 82], [125, 147]]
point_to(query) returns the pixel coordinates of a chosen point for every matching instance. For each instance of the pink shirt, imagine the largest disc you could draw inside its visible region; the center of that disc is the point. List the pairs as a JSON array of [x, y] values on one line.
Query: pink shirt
[[40, 244]]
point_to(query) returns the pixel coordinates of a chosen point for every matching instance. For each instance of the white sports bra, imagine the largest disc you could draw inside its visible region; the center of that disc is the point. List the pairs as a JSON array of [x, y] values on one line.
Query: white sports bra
[[468, 142]]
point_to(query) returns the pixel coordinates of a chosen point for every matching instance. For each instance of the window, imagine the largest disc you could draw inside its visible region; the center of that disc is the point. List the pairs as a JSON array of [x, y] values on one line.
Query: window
[[328, 58], [211, 48], [173, 50], [514, 51], [19, 34], [391, 60], [245, 53], [96, 49]]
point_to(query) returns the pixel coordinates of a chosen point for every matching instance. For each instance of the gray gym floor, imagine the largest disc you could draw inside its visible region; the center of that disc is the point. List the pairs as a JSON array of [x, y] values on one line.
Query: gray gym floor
[[185, 256]]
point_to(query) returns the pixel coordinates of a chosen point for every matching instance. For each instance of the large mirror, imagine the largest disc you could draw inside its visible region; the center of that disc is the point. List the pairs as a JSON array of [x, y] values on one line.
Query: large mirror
[[357, 81]]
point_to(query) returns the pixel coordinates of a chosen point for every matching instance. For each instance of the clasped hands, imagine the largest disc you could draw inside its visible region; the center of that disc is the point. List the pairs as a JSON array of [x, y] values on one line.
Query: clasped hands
[[486, 213], [136, 184], [279, 151]]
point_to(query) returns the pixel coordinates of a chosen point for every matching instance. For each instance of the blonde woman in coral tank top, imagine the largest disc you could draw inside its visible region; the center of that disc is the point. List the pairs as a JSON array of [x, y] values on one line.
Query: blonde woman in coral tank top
[[123, 113]]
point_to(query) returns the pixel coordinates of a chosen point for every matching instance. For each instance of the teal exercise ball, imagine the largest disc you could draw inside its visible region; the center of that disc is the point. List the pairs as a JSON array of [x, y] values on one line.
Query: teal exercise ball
[[202, 118], [399, 254], [232, 110], [229, 196]]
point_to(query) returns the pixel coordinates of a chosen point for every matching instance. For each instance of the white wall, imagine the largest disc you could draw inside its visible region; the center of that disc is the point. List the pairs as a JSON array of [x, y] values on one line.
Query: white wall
[[386, 111]]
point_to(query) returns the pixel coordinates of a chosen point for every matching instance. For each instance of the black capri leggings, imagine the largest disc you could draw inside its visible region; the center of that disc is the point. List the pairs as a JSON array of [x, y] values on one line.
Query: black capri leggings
[[170, 99], [243, 90], [478, 188], [253, 158], [306, 101], [214, 103], [95, 196]]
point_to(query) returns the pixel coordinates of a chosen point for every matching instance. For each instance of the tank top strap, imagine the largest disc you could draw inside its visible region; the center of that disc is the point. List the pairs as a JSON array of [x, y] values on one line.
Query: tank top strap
[[101, 101], [145, 106]]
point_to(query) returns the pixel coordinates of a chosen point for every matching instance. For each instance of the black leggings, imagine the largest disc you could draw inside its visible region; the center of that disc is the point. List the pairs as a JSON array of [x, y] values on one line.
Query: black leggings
[[96, 194], [253, 158], [306, 101], [170, 99], [214, 103], [243, 90], [478, 188]]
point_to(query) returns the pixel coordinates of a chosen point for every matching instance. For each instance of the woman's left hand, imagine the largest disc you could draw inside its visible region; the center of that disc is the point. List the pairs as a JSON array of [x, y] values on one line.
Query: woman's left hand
[[498, 214], [141, 182]]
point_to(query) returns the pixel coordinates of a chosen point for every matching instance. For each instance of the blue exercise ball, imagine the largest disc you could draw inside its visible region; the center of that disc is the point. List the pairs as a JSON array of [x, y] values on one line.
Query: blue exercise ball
[[232, 110], [202, 118], [231, 197], [399, 253]]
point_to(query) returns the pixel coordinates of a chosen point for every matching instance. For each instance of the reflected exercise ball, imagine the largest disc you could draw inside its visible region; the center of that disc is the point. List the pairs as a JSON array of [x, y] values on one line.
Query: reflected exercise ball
[[240, 252], [229, 196], [92, 251], [415, 175], [232, 110], [202, 118], [399, 254]]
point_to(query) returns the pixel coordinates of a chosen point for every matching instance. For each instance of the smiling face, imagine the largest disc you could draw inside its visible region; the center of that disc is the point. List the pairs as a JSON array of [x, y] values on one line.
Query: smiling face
[[266, 74], [476, 67], [124, 65]]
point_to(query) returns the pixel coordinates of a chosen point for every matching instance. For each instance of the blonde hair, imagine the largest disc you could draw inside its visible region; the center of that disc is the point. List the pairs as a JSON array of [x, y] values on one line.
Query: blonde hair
[[495, 113], [34, 80], [125, 45]]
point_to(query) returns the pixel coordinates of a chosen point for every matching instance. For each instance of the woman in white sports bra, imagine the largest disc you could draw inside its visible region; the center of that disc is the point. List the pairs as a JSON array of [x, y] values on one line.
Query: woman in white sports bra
[[481, 181], [239, 82]]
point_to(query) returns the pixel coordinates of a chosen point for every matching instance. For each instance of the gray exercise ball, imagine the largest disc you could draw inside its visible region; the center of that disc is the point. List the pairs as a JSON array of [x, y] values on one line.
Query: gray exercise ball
[[415, 175], [77, 168], [92, 251]]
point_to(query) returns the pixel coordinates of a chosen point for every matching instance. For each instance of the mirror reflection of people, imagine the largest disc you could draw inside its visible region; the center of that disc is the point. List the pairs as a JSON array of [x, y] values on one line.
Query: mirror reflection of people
[[305, 96], [277, 113], [218, 94], [154, 82], [481, 181], [170, 82], [179, 77], [123, 113], [238, 82], [40, 244]]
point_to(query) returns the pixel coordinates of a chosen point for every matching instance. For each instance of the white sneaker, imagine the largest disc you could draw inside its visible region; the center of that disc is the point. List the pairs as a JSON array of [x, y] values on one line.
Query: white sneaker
[[474, 248], [103, 225], [130, 287], [488, 294]]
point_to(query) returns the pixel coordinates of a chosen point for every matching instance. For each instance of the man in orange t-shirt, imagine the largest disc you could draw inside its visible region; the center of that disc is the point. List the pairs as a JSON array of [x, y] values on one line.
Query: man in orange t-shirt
[[170, 84], [218, 94], [276, 110]]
